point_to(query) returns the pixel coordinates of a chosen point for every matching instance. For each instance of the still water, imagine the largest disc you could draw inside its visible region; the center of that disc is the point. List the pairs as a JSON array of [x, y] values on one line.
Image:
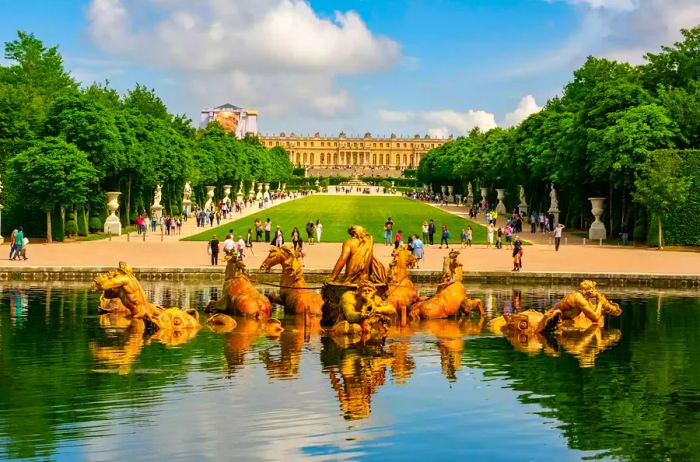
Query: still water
[[71, 389]]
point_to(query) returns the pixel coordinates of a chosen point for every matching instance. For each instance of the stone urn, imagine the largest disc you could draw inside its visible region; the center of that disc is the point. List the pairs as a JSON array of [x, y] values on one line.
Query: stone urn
[[484, 194], [112, 224], [227, 193], [266, 196], [501, 207], [597, 229], [450, 189], [210, 197], [443, 189]]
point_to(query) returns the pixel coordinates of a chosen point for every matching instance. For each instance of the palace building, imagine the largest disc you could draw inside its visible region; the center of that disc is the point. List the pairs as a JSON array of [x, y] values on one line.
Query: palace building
[[350, 156]]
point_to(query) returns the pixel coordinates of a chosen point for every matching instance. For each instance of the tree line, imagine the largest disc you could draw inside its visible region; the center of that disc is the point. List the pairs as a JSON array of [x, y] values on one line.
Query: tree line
[[618, 131], [63, 145]]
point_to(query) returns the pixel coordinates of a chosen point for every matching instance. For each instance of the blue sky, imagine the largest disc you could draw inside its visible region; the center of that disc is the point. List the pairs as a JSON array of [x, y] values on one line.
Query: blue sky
[[415, 66]]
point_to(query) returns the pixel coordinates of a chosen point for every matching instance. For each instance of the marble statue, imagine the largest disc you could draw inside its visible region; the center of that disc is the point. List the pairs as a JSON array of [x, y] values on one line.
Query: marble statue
[[157, 197], [553, 198]]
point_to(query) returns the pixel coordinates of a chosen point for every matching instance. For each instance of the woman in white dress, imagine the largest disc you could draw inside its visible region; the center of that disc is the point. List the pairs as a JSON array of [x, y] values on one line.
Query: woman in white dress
[[319, 230], [489, 234]]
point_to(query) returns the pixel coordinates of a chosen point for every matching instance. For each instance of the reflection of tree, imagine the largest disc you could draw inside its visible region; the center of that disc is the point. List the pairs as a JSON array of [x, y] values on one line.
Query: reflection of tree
[[355, 373], [639, 402]]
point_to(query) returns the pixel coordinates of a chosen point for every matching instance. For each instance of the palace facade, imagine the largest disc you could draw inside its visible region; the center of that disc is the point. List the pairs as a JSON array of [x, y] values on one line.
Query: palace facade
[[350, 156]]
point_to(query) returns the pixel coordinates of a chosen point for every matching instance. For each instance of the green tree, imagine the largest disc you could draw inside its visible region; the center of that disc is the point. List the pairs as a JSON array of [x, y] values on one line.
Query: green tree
[[49, 174], [660, 183]]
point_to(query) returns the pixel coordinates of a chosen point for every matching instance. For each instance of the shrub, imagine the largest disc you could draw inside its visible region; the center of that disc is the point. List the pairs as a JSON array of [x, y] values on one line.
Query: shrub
[[71, 228], [82, 224], [95, 224]]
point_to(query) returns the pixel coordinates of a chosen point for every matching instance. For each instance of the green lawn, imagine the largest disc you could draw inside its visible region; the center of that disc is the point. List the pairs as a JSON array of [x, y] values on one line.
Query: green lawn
[[338, 212]]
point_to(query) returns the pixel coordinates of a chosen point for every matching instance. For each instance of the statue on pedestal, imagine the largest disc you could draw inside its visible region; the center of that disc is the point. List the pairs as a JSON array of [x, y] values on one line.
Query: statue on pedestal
[[186, 201], [522, 207], [553, 199], [156, 208]]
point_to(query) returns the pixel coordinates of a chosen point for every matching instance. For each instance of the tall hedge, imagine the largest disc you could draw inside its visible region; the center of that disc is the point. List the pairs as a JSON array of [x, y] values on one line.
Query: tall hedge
[[681, 225]]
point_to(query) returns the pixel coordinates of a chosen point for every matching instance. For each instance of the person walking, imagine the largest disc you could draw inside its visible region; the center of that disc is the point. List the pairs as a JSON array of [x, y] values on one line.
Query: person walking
[[249, 242], [508, 231], [499, 238], [533, 222], [463, 238], [489, 235], [268, 228], [229, 245], [23, 250], [388, 228], [425, 229], [295, 238], [319, 230], [258, 230], [310, 230], [557, 236], [19, 242], [279, 237], [417, 246], [398, 239], [240, 247], [13, 243], [213, 249], [517, 254], [431, 232], [469, 236], [445, 237]]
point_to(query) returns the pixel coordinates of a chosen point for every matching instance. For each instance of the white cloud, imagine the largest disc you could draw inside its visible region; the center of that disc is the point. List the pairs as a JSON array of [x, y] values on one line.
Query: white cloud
[[462, 122], [612, 4], [269, 53], [526, 107], [396, 116], [439, 132]]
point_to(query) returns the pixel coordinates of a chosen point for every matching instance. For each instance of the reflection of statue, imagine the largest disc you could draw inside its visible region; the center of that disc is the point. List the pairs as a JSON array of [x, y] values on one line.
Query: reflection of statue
[[121, 356], [363, 312], [356, 256], [451, 295], [553, 198], [294, 294], [122, 284], [156, 197], [240, 295]]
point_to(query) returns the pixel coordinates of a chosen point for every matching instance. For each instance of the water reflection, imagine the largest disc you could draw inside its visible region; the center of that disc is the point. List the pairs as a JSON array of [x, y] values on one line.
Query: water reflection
[[633, 396]]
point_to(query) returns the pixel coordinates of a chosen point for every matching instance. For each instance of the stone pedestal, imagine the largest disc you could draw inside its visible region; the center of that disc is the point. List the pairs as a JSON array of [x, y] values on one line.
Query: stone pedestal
[[157, 211], [210, 197], [597, 229], [501, 207], [112, 224]]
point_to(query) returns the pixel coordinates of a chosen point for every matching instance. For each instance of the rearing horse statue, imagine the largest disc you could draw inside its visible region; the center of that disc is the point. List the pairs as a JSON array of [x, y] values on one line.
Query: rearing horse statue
[[401, 293], [294, 294], [240, 296]]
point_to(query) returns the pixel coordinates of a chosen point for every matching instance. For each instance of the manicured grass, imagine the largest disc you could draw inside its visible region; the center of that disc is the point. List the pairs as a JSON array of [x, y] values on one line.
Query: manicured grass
[[337, 213]]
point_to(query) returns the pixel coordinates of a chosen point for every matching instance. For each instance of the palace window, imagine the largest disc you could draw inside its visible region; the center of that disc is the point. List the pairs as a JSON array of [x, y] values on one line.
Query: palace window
[[323, 158]]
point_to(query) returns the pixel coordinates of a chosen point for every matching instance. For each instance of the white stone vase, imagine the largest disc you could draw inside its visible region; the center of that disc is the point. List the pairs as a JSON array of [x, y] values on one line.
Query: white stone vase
[[597, 229], [227, 193], [112, 224], [501, 207]]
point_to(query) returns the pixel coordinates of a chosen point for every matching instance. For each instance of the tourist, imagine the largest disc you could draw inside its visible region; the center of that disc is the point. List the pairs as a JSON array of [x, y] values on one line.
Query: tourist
[[23, 250], [431, 232], [268, 227], [178, 222], [517, 254], [388, 227], [417, 246], [425, 229], [139, 224], [398, 240], [489, 235], [240, 247], [229, 245], [499, 238], [488, 217], [557, 236], [13, 243], [542, 222], [310, 229], [279, 237], [295, 237], [533, 222], [469, 236], [19, 242], [173, 224], [258, 230], [249, 241], [463, 237], [508, 231], [445, 237], [218, 217], [213, 249], [319, 230]]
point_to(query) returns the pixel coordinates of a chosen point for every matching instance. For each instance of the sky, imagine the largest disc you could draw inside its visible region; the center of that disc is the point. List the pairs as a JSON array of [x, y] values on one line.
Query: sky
[[437, 67]]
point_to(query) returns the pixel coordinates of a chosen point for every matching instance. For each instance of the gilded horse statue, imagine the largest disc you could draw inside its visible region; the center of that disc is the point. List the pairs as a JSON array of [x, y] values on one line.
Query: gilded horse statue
[[240, 295], [451, 296], [401, 293], [294, 294], [122, 293]]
